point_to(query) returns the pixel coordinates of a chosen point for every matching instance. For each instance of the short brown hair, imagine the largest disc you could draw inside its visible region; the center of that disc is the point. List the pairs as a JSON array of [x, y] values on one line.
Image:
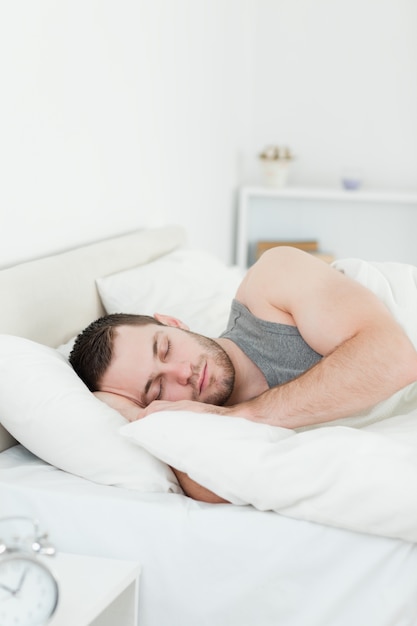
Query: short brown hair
[[93, 347]]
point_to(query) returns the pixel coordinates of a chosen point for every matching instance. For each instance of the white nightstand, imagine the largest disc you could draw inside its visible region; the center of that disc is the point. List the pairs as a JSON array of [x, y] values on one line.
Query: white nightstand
[[95, 591]]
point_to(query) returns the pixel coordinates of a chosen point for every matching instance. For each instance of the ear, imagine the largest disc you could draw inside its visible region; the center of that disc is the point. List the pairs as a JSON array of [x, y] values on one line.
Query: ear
[[168, 320]]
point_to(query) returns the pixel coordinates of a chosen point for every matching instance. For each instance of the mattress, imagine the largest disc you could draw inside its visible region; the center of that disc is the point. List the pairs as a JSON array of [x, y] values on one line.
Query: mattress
[[222, 565]]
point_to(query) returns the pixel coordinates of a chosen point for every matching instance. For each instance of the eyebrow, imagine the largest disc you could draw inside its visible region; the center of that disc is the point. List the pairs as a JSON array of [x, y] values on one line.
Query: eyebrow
[[155, 354]]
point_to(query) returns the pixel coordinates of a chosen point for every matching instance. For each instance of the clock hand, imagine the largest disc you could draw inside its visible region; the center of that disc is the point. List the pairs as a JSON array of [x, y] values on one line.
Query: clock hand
[[22, 578], [6, 588], [14, 592]]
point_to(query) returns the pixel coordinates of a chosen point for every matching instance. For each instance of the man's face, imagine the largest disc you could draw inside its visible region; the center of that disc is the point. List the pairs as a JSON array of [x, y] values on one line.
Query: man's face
[[165, 363]]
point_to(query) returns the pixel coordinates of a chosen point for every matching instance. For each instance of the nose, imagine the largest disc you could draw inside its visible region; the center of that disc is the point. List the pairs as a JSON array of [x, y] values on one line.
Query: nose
[[179, 372]]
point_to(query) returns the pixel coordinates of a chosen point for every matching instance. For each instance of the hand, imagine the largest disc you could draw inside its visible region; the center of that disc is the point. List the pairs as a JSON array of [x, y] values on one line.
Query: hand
[[183, 405], [127, 408], [133, 412], [237, 410]]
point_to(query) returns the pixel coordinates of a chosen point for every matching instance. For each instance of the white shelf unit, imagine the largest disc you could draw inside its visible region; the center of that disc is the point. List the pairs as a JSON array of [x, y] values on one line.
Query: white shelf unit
[[373, 225]]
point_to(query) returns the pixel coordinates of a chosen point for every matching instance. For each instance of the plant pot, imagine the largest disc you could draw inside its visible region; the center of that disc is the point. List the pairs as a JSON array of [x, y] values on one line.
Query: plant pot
[[275, 172]]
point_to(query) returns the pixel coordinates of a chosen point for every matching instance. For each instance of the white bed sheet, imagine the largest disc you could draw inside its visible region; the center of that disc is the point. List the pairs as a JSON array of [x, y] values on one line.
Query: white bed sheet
[[221, 565]]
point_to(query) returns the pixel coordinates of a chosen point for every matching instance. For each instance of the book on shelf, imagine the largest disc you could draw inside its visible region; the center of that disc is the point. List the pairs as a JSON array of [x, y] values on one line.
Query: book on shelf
[[308, 245]]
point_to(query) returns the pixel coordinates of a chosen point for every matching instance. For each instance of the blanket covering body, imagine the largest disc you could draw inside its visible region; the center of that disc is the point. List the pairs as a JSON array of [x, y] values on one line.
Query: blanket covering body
[[357, 473]]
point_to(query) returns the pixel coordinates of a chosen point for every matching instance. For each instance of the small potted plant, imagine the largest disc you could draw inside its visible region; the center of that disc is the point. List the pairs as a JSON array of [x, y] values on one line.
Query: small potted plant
[[275, 162]]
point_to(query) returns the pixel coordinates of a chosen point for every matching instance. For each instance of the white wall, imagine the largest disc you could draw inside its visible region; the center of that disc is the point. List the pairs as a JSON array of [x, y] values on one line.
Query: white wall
[[117, 114], [336, 80]]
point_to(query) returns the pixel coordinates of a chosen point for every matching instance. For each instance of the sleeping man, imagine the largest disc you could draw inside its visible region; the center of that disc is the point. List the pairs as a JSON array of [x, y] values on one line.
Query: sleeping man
[[305, 345]]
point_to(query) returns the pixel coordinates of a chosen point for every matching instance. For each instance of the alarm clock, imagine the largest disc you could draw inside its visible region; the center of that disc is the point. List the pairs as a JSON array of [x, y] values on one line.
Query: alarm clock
[[28, 589]]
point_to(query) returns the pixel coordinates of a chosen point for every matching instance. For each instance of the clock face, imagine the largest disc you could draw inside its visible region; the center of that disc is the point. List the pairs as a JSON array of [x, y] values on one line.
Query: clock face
[[28, 591]]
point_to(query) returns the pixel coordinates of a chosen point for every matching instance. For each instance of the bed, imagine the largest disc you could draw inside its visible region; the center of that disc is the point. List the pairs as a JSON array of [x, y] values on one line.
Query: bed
[[65, 461]]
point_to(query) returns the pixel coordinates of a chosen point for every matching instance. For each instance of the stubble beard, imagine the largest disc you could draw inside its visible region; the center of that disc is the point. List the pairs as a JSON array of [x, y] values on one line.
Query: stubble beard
[[224, 382]]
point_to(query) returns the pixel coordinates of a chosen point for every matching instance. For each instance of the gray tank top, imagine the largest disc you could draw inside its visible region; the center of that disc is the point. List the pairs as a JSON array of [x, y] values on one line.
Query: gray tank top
[[278, 350]]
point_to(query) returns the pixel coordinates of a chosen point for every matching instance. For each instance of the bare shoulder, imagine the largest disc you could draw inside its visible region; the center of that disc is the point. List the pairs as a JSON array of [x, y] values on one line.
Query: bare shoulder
[[278, 277], [284, 259], [293, 287]]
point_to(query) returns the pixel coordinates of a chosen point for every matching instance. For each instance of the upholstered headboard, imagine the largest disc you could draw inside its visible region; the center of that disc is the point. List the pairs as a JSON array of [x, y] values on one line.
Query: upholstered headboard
[[49, 300]]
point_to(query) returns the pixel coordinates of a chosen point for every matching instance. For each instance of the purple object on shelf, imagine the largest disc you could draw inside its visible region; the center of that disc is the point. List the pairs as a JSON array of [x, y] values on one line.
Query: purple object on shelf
[[351, 183], [351, 177]]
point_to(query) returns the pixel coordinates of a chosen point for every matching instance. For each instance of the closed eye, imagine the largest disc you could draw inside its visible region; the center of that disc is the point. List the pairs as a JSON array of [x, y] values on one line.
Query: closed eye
[[168, 348], [163, 356]]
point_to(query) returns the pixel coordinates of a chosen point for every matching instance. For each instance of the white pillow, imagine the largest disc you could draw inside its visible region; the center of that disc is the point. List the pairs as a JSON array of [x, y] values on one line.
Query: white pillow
[[47, 408], [192, 285], [66, 348], [362, 479], [224, 454]]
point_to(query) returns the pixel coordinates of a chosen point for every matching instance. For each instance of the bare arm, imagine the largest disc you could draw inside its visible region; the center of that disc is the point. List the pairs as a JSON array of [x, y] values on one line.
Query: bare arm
[[367, 355], [196, 491]]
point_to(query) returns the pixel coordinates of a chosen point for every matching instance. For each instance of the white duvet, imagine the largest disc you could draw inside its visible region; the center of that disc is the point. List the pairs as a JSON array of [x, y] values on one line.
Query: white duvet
[[363, 478]]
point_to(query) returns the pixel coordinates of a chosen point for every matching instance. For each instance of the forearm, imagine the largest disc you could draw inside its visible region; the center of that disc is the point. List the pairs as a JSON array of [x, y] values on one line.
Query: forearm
[[349, 380], [196, 491]]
